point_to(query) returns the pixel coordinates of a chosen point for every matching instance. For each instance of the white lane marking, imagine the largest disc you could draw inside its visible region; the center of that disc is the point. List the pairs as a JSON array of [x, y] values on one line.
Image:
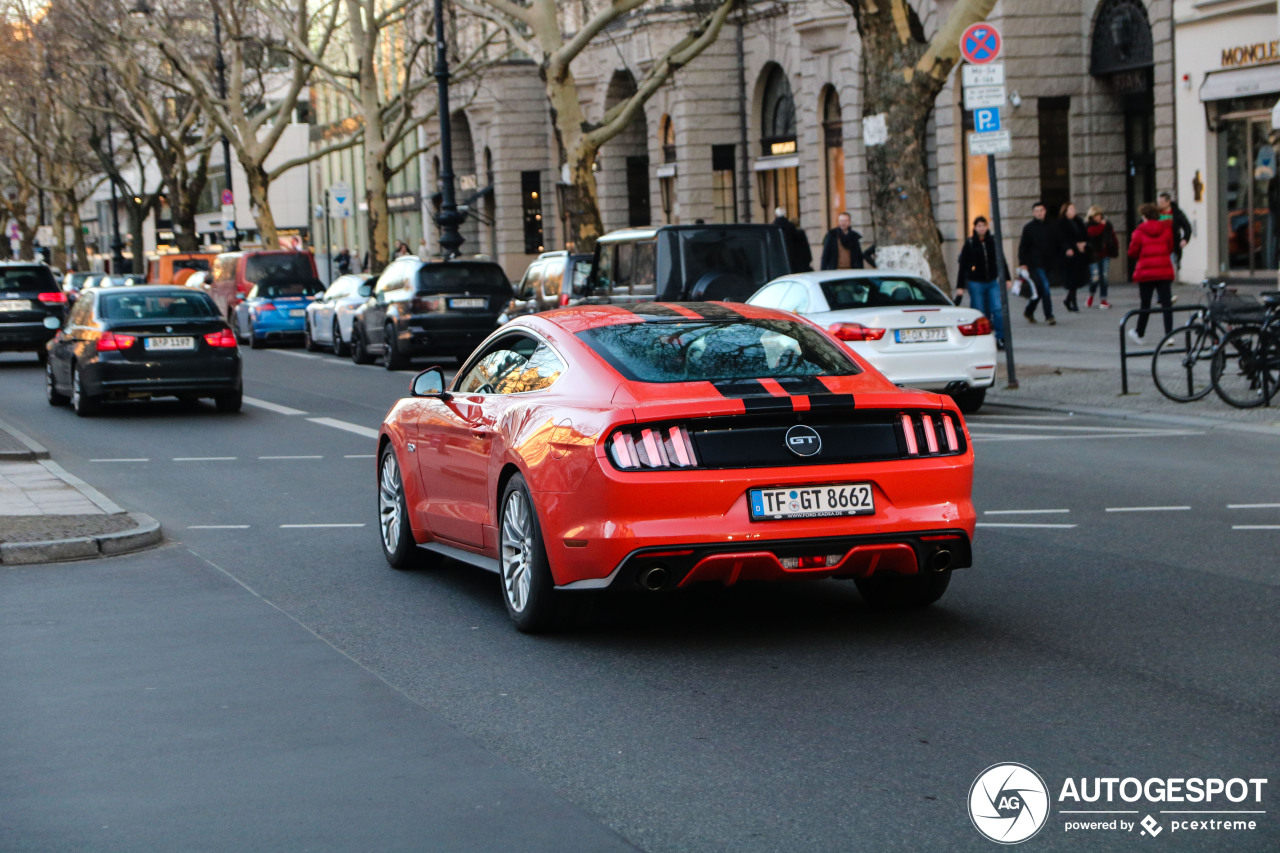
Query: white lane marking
[[272, 407], [1026, 524], [1253, 506], [1255, 527], [299, 526], [976, 436], [1148, 509], [290, 457], [360, 456], [343, 425], [217, 527], [1024, 511], [295, 354], [204, 458], [1060, 428], [138, 459]]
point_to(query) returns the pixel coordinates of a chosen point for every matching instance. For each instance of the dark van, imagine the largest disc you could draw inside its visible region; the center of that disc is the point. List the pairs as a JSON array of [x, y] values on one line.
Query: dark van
[[32, 308], [235, 274]]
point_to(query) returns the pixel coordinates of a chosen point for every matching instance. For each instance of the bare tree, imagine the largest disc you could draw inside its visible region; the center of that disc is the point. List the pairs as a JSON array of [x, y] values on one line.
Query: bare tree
[[555, 35], [902, 74]]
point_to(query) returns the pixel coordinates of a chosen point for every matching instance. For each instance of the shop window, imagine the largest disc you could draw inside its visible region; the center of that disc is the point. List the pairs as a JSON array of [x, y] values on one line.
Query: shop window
[[724, 188], [638, 191], [1055, 152]]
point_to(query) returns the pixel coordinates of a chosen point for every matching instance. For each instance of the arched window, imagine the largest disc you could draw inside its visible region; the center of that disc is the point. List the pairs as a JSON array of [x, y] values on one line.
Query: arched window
[[777, 171], [779, 115]]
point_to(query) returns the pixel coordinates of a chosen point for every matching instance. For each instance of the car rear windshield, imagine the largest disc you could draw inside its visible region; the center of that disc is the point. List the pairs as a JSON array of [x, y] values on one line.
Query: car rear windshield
[[695, 350], [756, 255], [886, 292], [155, 306], [462, 278], [198, 264], [33, 279], [283, 289], [259, 269]]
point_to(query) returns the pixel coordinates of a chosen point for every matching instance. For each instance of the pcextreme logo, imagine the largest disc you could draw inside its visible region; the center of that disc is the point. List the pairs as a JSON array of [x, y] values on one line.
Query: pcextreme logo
[[1009, 803]]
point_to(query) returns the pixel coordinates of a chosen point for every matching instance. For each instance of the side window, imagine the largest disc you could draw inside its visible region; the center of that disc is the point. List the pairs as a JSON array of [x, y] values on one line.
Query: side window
[[505, 358], [622, 273], [532, 277], [644, 269], [795, 299], [82, 313], [604, 271], [553, 274], [538, 373]]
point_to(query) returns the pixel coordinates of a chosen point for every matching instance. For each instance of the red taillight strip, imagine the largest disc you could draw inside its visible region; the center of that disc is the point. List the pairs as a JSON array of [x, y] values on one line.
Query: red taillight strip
[[623, 453], [909, 433], [653, 447], [930, 437], [683, 457], [949, 430]]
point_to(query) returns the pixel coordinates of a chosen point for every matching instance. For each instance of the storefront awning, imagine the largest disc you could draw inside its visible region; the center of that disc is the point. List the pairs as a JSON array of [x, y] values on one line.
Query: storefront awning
[[1240, 82], [779, 161]]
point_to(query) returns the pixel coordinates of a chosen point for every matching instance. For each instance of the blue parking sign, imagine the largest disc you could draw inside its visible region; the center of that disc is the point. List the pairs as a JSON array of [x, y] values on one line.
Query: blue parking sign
[[986, 119]]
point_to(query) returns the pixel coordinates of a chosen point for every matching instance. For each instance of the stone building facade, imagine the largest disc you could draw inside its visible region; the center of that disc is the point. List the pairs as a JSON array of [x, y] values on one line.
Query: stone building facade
[[771, 115]]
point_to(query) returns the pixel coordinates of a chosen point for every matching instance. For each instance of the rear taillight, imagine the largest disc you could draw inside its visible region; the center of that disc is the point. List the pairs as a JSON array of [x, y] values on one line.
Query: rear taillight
[[263, 307], [426, 304], [930, 434], [980, 326], [855, 332], [635, 448], [564, 299], [111, 342], [53, 297], [223, 338]]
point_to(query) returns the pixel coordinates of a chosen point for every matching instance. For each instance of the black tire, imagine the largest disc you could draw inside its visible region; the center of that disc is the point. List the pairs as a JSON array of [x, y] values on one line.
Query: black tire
[[1182, 366], [339, 348], [392, 357], [1239, 364], [308, 342], [359, 354], [84, 404], [42, 356], [885, 591], [235, 327], [528, 591], [395, 533], [51, 392], [970, 401], [255, 342], [229, 402]]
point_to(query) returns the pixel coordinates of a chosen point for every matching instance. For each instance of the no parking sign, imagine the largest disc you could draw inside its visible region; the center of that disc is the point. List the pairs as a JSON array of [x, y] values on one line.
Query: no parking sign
[[980, 44]]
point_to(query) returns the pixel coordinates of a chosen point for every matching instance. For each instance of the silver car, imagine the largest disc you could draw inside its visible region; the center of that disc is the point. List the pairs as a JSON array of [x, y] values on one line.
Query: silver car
[[329, 317]]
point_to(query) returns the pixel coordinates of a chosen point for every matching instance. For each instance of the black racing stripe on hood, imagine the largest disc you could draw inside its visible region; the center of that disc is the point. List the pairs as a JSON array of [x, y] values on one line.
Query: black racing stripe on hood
[[707, 311], [807, 385]]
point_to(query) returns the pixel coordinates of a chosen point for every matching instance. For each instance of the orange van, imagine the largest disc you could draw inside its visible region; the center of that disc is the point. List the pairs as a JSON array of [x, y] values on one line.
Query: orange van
[[166, 268]]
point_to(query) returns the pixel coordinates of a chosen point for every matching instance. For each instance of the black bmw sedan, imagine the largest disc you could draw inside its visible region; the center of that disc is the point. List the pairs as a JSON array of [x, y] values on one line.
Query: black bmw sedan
[[142, 342]]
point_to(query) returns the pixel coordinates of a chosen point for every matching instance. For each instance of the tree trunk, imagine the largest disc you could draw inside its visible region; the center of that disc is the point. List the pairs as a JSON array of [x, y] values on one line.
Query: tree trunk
[[26, 242], [585, 223], [137, 243], [375, 195], [81, 250], [259, 184]]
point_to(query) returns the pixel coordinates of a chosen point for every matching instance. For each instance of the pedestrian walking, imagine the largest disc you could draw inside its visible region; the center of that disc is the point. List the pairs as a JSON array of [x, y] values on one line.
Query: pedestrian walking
[[797, 243], [1171, 213], [1152, 245], [980, 275], [402, 248], [1103, 246], [1073, 253], [841, 248], [1037, 254], [343, 260]]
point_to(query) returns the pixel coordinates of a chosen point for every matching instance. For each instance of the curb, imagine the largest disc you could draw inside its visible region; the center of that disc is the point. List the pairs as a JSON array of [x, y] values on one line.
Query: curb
[[34, 450], [145, 534], [1197, 421]]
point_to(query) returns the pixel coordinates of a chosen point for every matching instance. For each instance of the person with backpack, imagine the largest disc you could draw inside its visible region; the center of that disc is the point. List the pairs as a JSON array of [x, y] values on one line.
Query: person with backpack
[[980, 275], [1103, 246]]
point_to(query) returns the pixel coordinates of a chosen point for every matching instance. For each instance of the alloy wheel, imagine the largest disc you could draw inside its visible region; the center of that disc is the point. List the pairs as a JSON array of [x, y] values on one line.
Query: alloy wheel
[[517, 545], [389, 503]]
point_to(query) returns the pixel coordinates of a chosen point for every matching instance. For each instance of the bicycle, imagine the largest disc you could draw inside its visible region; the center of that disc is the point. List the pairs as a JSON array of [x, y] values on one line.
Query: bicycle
[[1246, 368], [1181, 364]]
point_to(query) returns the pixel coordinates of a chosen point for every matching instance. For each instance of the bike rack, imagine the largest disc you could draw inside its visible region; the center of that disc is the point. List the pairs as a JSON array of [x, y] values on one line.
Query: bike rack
[[1125, 355]]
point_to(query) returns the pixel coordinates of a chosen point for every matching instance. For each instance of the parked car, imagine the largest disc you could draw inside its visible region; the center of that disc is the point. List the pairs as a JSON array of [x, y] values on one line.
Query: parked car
[[428, 308], [235, 274], [652, 447], [165, 269], [275, 311], [902, 324], [32, 307], [681, 263], [551, 281], [141, 342], [329, 317]]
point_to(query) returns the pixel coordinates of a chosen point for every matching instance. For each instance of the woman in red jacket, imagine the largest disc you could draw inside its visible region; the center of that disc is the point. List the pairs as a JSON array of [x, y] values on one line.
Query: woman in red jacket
[[1152, 244]]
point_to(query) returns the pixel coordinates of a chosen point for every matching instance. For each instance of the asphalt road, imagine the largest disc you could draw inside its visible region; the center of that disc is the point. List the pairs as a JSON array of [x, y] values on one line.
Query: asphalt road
[[1118, 622]]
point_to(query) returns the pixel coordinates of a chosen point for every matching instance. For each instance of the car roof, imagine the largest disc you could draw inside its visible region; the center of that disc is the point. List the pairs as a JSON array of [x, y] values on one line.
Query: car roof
[[628, 234], [834, 275], [151, 288], [582, 317]]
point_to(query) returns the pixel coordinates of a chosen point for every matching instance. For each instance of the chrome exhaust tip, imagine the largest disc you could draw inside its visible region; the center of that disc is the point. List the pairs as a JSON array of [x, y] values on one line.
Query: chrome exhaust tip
[[654, 578], [940, 561]]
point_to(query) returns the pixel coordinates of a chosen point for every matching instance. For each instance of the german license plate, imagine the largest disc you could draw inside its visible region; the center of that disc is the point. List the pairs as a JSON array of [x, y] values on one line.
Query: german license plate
[[812, 501], [169, 343], [297, 312], [920, 336], [468, 303], [15, 305]]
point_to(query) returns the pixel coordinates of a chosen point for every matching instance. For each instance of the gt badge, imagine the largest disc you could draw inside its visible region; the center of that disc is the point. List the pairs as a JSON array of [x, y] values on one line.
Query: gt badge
[[804, 440]]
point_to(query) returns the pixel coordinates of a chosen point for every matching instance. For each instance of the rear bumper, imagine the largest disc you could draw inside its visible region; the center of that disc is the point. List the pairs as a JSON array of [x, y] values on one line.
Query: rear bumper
[[447, 334], [934, 370], [129, 379], [24, 336]]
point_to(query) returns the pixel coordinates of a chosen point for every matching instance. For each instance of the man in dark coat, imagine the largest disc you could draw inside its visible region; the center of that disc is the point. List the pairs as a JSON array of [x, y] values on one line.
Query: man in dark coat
[[797, 242], [1169, 210], [1037, 254], [841, 249]]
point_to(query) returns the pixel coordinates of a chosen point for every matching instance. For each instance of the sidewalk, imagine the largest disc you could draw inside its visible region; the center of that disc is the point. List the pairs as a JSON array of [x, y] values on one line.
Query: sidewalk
[[48, 515], [1075, 366]]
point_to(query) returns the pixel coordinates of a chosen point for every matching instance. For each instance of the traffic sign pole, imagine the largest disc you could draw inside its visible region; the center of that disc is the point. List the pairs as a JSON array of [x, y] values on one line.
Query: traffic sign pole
[[1002, 273], [328, 242]]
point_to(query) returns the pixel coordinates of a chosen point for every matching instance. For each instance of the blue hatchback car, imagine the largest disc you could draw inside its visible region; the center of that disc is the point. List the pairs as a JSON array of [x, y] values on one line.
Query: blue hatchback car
[[276, 311]]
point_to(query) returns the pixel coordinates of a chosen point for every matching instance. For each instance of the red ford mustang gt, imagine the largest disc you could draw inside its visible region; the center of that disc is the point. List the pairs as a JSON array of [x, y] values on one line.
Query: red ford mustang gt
[[655, 445]]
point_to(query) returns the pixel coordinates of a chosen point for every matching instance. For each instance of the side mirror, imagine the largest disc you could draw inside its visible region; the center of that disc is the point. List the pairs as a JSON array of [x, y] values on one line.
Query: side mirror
[[428, 383]]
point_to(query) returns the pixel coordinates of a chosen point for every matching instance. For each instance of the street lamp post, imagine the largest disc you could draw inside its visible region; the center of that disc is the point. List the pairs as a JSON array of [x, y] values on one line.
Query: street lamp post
[[448, 218], [221, 67]]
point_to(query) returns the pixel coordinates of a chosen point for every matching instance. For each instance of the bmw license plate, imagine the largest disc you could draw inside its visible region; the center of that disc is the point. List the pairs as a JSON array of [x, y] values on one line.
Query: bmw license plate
[[812, 501], [169, 343], [15, 305], [297, 312], [468, 303], [919, 336]]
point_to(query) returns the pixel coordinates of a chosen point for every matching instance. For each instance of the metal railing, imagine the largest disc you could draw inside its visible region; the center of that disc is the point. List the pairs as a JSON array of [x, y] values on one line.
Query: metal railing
[[1125, 355]]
